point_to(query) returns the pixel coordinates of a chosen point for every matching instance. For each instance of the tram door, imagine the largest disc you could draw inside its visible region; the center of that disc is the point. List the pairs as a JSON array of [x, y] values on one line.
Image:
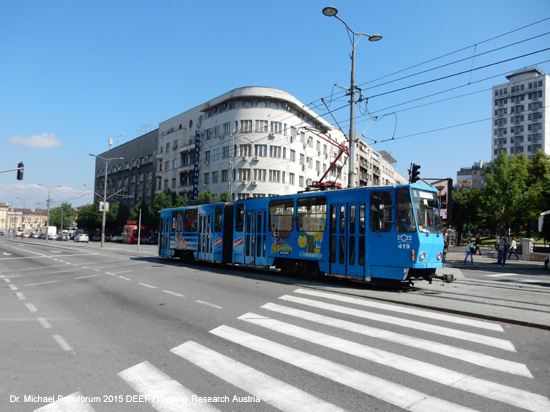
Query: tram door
[[206, 242], [347, 239], [255, 237], [164, 236]]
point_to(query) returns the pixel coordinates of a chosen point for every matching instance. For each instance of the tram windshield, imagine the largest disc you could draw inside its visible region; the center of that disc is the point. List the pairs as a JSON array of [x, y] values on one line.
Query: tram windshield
[[426, 207]]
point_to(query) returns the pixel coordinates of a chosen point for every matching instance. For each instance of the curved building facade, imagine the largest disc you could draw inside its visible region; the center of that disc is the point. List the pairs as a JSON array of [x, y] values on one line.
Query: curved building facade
[[249, 142]]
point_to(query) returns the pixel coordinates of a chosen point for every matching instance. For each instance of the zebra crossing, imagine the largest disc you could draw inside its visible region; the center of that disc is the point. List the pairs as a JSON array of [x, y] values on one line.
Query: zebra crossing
[[318, 321]]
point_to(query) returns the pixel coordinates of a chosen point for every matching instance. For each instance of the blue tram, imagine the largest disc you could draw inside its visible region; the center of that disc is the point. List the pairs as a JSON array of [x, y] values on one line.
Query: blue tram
[[365, 233]]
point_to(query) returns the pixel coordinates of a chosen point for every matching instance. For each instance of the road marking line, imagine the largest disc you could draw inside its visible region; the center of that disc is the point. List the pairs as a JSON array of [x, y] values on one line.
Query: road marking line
[[455, 352], [20, 295], [277, 393], [7, 280], [62, 342], [500, 275], [147, 285], [123, 271], [154, 385], [31, 307], [110, 274], [13, 287], [406, 323], [491, 390], [86, 277], [68, 403], [406, 310], [174, 293], [44, 323], [383, 389], [124, 277], [40, 283], [209, 304]]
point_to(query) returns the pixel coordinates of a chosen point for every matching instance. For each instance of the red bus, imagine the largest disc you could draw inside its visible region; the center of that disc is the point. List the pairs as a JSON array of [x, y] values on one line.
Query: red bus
[[130, 232]]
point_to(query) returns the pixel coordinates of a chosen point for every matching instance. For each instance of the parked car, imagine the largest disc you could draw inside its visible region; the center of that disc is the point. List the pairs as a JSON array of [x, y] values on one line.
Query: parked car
[[81, 237], [153, 240], [96, 238], [1, 233], [116, 238]]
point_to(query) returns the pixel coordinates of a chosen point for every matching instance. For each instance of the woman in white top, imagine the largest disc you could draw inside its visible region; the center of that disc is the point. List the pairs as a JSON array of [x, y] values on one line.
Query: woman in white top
[[513, 249]]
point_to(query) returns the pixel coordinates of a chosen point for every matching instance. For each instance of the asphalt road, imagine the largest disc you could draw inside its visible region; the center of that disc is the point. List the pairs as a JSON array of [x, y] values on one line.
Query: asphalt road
[[85, 329]]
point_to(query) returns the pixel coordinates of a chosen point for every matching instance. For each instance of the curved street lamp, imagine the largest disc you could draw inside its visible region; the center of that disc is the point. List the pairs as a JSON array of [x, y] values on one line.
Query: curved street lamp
[[333, 12], [107, 161]]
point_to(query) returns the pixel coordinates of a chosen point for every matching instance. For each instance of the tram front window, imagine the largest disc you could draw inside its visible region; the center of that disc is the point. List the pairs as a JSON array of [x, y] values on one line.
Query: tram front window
[[426, 207], [404, 212]]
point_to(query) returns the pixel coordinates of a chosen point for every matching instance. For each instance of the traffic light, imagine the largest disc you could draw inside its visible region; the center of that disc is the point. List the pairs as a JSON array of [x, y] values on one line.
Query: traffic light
[[414, 173], [20, 168]]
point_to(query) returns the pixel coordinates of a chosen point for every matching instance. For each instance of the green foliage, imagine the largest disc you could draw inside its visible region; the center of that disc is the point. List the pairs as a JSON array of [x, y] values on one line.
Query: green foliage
[[166, 200], [89, 217], [517, 190], [65, 212]]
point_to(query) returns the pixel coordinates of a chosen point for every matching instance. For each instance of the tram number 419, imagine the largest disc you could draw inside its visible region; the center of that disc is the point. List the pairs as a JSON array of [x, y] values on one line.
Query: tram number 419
[[404, 246]]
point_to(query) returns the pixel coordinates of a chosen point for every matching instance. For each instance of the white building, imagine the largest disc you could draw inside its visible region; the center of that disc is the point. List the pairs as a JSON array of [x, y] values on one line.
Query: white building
[[521, 114], [256, 142]]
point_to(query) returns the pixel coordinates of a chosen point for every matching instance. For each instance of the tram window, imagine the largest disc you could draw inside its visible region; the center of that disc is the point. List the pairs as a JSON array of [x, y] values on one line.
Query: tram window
[[177, 221], [342, 219], [249, 221], [362, 219], [333, 249], [281, 214], [362, 250], [218, 224], [191, 220], [352, 250], [352, 219], [259, 223], [380, 211], [239, 218], [404, 214], [312, 214], [333, 219]]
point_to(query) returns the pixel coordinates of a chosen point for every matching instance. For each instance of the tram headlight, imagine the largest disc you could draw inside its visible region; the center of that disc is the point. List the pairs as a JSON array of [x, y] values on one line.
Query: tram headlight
[[439, 256], [422, 256]]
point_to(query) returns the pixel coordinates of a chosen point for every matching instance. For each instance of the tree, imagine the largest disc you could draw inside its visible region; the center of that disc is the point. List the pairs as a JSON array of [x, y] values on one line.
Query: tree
[[166, 200], [466, 210], [65, 212], [505, 189], [89, 217], [146, 218]]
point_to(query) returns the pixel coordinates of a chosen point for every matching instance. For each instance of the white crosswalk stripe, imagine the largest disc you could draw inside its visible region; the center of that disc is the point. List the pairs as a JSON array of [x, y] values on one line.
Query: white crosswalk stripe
[[164, 393], [425, 370], [279, 394], [455, 352], [384, 363], [69, 403], [388, 391], [425, 327]]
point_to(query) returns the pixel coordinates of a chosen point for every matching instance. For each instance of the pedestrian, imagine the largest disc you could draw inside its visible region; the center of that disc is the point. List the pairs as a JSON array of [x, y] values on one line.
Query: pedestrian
[[445, 249], [478, 244], [470, 248], [502, 248], [513, 249]]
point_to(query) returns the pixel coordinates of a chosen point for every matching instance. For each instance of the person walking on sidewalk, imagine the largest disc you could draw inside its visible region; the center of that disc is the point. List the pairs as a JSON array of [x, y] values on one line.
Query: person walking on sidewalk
[[470, 248], [502, 248], [478, 244], [513, 249]]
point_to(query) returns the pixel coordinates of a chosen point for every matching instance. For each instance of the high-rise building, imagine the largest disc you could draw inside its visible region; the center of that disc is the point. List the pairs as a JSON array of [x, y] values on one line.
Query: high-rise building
[[521, 114]]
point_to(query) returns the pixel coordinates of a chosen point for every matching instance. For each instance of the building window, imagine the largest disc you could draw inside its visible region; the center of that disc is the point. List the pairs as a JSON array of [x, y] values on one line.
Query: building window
[[260, 150], [246, 126], [261, 126]]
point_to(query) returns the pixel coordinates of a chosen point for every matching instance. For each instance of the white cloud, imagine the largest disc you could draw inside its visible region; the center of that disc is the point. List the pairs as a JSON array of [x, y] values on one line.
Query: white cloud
[[41, 141]]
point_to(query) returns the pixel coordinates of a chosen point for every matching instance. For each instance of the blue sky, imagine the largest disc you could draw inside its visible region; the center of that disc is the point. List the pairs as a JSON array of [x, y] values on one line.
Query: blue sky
[[76, 73]]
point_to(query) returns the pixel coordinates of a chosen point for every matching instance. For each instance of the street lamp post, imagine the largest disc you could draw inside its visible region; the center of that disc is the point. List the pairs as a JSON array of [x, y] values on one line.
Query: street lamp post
[[48, 205], [333, 12], [107, 161]]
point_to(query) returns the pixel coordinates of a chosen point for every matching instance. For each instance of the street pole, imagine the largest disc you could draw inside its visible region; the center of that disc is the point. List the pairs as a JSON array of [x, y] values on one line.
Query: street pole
[[333, 12], [107, 161]]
